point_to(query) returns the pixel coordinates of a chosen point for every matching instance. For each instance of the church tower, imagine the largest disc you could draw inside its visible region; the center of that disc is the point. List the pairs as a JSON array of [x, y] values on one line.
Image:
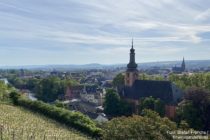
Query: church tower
[[183, 64], [131, 72]]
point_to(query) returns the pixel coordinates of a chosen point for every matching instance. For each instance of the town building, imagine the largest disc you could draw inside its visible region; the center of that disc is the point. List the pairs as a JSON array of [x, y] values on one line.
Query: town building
[[92, 94], [73, 92], [179, 69], [136, 89], [87, 93]]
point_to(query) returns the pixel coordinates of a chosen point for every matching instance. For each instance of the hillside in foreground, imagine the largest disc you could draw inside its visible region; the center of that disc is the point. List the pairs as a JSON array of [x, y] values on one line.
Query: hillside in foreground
[[18, 123]]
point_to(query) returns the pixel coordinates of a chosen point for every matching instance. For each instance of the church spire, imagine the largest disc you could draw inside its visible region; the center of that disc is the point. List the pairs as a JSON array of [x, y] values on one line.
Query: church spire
[[183, 61], [132, 44], [183, 64], [132, 64], [132, 73]]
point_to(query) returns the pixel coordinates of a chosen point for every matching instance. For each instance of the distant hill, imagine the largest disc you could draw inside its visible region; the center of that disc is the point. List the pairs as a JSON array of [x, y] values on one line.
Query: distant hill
[[190, 64], [162, 64]]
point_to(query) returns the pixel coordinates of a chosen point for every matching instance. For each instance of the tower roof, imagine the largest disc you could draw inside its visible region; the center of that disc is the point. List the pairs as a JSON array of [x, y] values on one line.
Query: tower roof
[[132, 44], [183, 61], [132, 50], [132, 64]]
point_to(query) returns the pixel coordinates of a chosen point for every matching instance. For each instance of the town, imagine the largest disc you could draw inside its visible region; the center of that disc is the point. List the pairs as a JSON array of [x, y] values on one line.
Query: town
[[104, 70], [105, 93], [86, 89]]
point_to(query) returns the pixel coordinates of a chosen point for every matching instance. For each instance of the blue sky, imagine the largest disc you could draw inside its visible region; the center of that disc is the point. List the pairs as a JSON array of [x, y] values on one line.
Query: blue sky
[[34, 32]]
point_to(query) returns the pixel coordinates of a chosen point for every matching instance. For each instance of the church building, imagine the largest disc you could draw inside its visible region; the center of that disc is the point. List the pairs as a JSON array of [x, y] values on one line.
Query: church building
[[135, 88], [179, 69]]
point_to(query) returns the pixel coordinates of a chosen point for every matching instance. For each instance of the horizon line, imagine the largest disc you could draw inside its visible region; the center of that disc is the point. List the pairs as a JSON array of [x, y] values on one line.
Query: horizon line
[[95, 63]]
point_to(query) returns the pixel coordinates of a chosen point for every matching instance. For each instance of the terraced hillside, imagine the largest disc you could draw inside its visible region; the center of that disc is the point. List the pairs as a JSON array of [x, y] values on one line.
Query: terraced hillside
[[19, 124]]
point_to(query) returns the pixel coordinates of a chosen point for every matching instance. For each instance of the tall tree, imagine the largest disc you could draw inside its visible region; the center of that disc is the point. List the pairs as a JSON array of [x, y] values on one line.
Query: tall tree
[[195, 109], [114, 106], [118, 82], [49, 89], [159, 107], [112, 103], [148, 127], [151, 103]]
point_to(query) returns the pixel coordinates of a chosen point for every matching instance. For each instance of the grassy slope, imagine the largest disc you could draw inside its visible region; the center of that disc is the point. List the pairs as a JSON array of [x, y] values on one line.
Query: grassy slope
[[18, 123]]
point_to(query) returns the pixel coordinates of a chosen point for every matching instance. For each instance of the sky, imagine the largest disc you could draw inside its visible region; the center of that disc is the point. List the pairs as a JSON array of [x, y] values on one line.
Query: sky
[[39, 32]]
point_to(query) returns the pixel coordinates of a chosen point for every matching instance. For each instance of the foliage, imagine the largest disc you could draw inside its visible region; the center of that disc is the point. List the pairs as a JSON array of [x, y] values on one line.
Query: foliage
[[114, 106], [14, 96], [125, 108], [144, 76], [198, 96], [148, 127], [201, 80], [195, 109], [24, 83], [4, 92], [184, 125], [58, 103], [159, 107], [147, 103], [20, 124], [156, 105], [112, 103], [118, 81], [52, 88], [73, 119], [49, 89]]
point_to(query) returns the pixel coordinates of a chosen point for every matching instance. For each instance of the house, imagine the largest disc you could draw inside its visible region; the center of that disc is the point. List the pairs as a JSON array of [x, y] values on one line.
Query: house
[[136, 89], [92, 94], [73, 92]]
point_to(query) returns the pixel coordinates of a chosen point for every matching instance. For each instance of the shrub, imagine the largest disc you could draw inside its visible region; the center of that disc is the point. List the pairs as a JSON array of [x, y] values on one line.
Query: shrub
[[14, 96], [148, 127], [73, 119]]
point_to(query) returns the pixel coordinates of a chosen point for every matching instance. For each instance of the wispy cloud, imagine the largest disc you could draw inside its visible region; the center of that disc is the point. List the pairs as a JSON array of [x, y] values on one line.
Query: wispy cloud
[[203, 15], [45, 25]]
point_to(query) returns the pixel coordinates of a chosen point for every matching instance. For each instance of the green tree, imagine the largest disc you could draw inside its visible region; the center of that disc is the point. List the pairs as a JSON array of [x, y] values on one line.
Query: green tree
[[60, 104], [195, 109], [191, 115], [151, 103], [19, 83], [144, 76], [118, 81], [184, 125], [156, 77], [50, 89], [200, 80], [114, 106], [4, 95], [125, 108], [159, 107], [112, 103], [31, 83], [15, 96], [148, 103], [148, 127]]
